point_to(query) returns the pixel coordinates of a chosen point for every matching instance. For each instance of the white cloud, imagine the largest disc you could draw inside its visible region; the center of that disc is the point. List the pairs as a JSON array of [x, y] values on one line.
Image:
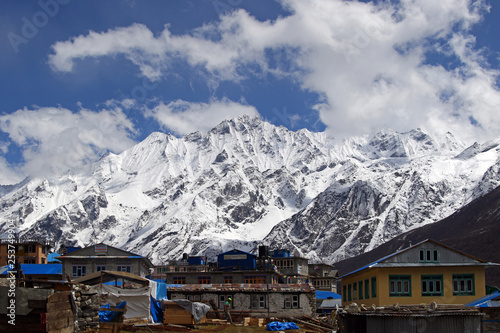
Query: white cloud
[[366, 60], [181, 117], [8, 174], [56, 139]]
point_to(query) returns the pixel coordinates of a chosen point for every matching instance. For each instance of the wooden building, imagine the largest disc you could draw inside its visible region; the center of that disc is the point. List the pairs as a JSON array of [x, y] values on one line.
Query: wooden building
[[323, 277], [423, 273], [25, 251]]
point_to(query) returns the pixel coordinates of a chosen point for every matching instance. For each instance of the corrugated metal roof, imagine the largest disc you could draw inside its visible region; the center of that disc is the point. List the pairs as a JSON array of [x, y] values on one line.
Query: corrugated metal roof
[[484, 301], [375, 263], [105, 276], [242, 287]]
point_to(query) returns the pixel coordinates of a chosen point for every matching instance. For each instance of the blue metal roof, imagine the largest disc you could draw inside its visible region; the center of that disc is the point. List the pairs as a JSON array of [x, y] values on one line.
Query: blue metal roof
[[484, 301], [236, 250], [321, 294], [31, 269], [371, 264]]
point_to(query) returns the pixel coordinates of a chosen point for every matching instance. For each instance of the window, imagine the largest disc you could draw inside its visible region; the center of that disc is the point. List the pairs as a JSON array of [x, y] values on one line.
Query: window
[[463, 284], [228, 279], [284, 263], [291, 302], [432, 285], [223, 299], [399, 285], [322, 283], [255, 279], [30, 248], [79, 270], [43, 260], [99, 268], [258, 301], [123, 268], [349, 292], [354, 291], [204, 279], [367, 289], [344, 293], [193, 298], [429, 255], [360, 284], [178, 280], [160, 270], [374, 287], [29, 261]]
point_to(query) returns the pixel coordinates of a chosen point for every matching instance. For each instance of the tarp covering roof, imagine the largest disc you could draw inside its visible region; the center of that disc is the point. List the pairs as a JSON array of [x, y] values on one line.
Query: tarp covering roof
[[36, 269], [321, 294], [52, 257], [488, 301]]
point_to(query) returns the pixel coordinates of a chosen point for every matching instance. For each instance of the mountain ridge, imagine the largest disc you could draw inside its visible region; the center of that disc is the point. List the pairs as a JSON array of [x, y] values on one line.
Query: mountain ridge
[[247, 182]]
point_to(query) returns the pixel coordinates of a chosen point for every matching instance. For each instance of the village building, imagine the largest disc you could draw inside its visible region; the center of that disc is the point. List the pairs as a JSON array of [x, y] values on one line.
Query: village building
[[251, 300], [430, 318], [292, 268], [27, 250], [423, 273], [323, 277], [220, 277], [187, 264], [102, 257], [236, 266]]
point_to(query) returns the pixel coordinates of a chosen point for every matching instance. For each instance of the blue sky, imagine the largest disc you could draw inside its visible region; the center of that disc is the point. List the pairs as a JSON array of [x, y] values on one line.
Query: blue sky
[[81, 78]]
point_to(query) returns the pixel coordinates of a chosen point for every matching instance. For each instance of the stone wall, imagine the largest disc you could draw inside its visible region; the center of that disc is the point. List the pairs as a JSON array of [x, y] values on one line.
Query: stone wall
[[87, 305]]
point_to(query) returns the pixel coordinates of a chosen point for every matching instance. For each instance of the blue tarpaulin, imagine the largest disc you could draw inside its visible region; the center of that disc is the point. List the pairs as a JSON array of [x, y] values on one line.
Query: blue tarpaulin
[[107, 316], [321, 294], [277, 326], [156, 311], [38, 269]]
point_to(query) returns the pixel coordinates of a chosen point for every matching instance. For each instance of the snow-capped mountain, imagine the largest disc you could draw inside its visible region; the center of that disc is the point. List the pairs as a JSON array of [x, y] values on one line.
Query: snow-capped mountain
[[247, 182]]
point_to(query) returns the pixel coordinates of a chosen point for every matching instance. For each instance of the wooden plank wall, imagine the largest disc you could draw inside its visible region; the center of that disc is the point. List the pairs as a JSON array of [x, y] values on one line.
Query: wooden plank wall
[[60, 316]]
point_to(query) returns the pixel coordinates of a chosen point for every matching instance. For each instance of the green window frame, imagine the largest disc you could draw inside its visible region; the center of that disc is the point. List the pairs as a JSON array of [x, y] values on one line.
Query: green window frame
[[464, 285], [432, 285], [344, 293], [399, 285], [354, 291], [349, 292], [374, 287], [367, 289], [360, 287]]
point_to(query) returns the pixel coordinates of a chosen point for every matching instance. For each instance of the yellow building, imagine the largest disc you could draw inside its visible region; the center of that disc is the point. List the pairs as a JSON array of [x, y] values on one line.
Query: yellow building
[[423, 273]]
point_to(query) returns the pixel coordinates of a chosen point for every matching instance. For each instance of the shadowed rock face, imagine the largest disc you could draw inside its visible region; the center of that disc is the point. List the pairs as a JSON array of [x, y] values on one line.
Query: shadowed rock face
[[247, 182]]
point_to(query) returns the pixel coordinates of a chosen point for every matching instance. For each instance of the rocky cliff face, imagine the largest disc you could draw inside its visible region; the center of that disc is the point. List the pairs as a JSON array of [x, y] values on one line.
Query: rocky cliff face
[[247, 182]]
